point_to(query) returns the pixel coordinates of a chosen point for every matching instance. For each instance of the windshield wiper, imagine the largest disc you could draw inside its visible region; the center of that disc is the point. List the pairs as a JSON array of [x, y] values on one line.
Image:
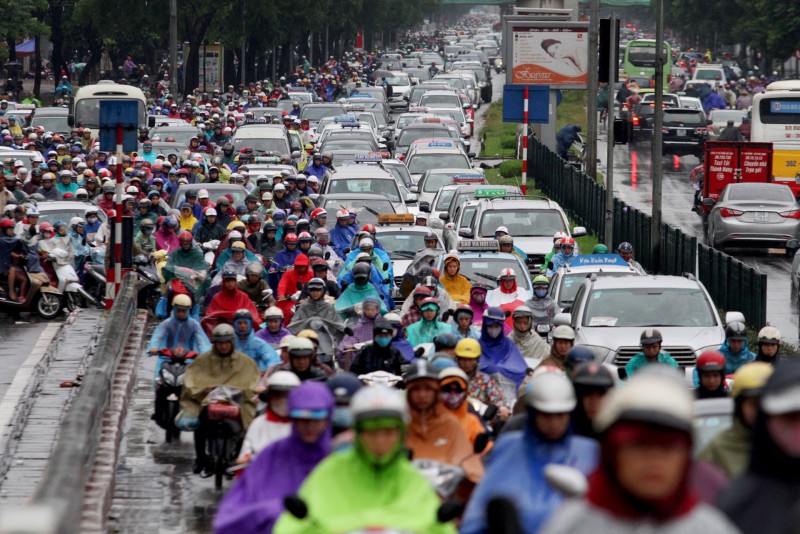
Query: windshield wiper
[[372, 211], [403, 253], [488, 276]]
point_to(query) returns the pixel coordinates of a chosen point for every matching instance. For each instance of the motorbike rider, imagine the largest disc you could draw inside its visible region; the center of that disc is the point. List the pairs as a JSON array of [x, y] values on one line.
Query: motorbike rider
[[545, 440], [144, 237], [730, 449], [456, 285], [12, 261], [499, 355], [650, 340], [429, 326], [592, 382], [301, 361], [371, 484], [237, 262], [462, 323], [769, 343], [358, 291], [166, 235], [563, 340], [362, 331], [270, 246], [710, 366], [274, 331], [643, 480], [286, 257], [275, 423], [254, 507], [543, 306], [433, 432], [342, 234], [253, 284], [625, 250], [565, 257], [209, 228], [507, 293], [734, 348], [247, 342], [453, 393], [477, 301], [529, 342], [316, 304], [220, 366], [380, 355], [230, 299], [48, 191], [292, 283]]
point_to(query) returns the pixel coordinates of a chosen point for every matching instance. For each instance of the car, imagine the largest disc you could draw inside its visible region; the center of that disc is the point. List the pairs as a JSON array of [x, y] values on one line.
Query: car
[[375, 92], [457, 114], [684, 132], [567, 280], [610, 313], [670, 100], [268, 168], [166, 148], [370, 179], [64, 210], [179, 134], [433, 180], [418, 90], [316, 111], [435, 155], [51, 119], [215, 190], [711, 417], [25, 156], [367, 207], [445, 205], [690, 102], [423, 130], [351, 131], [755, 215], [264, 139], [482, 263], [441, 99], [719, 120], [709, 74], [401, 85], [408, 118], [640, 122], [399, 171], [531, 221]]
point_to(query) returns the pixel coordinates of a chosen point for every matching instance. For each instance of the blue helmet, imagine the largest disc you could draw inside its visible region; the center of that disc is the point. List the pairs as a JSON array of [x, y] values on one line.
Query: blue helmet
[[577, 355]]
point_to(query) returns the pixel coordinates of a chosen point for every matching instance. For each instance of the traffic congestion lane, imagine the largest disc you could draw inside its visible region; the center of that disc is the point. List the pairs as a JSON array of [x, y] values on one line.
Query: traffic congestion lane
[[633, 184]]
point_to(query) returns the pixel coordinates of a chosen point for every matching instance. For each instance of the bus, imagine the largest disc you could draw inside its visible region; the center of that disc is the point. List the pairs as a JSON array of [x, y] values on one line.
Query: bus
[[84, 109], [775, 118], [639, 59]]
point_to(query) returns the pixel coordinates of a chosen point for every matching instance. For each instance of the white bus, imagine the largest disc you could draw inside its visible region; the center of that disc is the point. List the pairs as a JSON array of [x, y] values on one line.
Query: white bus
[[84, 108], [776, 119]]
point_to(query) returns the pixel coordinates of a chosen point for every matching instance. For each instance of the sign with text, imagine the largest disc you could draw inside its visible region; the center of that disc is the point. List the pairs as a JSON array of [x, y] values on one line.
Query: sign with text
[[729, 162], [549, 53]]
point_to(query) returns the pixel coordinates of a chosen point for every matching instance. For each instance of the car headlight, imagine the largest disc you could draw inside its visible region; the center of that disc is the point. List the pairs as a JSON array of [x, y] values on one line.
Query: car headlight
[[601, 354]]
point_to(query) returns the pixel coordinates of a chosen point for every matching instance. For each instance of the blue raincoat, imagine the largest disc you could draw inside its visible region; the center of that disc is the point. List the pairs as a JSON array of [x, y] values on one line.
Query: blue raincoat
[[258, 349], [515, 470], [733, 360], [501, 355], [559, 260], [173, 332], [341, 237]]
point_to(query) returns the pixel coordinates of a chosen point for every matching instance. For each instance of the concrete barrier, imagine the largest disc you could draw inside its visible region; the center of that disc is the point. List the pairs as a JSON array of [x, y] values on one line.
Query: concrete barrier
[[57, 505]]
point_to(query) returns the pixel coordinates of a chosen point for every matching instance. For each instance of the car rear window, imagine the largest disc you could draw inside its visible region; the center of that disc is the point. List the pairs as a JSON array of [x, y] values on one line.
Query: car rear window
[[775, 194], [683, 119]]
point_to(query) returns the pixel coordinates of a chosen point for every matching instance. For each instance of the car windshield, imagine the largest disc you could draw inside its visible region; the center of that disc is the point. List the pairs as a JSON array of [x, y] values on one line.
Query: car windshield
[[570, 284], [683, 119], [262, 145], [387, 188], [779, 193], [708, 427], [180, 135], [641, 307], [366, 210], [348, 144], [443, 100], [400, 173], [707, 74], [315, 113], [401, 244], [51, 124], [523, 223], [443, 202], [455, 114], [410, 135], [422, 162], [486, 270], [398, 80]]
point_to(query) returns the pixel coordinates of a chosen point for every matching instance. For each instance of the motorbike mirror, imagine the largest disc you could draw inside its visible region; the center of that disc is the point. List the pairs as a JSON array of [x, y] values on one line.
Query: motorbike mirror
[[489, 414], [419, 352], [481, 442], [327, 255], [543, 329], [448, 511], [501, 516], [348, 331], [566, 480], [507, 313], [296, 506], [622, 373]]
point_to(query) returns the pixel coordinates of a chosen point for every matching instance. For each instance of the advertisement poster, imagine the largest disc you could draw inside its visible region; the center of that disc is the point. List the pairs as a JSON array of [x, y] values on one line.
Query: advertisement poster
[[556, 56]]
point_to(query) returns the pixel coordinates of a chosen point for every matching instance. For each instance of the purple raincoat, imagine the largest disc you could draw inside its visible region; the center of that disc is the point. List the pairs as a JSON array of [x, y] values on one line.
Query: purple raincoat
[[255, 502]]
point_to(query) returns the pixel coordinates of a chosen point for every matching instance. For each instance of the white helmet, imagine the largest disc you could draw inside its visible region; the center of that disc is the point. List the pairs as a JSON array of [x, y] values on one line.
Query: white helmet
[[75, 221], [377, 402], [564, 332], [769, 334], [273, 312], [282, 381], [550, 392]]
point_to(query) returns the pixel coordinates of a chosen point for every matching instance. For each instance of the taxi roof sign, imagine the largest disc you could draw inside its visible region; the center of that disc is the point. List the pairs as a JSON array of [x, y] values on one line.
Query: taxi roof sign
[[360, 95], [396, 218], [345, 118], [599, 260], [469, 178], [368, 158], [267, 159], [478, 245], [349, 125], [440, 144], [491, 192]]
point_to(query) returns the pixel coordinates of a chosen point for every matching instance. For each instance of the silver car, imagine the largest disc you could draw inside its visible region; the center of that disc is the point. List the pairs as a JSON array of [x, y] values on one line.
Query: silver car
[[754, 214], [719, 120]]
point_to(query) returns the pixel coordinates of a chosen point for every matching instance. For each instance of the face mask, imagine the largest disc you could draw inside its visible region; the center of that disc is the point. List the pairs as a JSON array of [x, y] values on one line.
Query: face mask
[[91, 220], [342, 417], [453, 399], [494, 331], [383, 341], [541, 293]]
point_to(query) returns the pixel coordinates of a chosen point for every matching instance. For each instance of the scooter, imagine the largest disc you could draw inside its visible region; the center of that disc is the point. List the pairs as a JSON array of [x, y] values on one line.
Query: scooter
[[149, 284], [68, 282], [42, 297], [168, 391], [224, 433], [210, 249]]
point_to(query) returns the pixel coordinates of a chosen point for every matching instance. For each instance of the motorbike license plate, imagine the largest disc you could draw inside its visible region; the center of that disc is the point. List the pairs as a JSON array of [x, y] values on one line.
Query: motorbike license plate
[[760, 216], [681, 133]]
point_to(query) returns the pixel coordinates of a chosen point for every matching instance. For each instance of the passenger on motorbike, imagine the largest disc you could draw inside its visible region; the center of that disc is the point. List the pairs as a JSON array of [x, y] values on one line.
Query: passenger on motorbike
[[274, 331], [592, 382], [358, 291], [342, 234], [291, 284], [515, 470], [285, 258], [209, 228], [237, 263], [362, 330], [221, 366], [462, 323], [508, 293], [274, 424], [482, 386], [711, 372], [543, 307], [769, 344], [437, 292], [456, 285], [372, 484], [254, 284], [12, 261], [166, 236], [399, 340], [316, 305], [429, 326], [530, 343], [626, 251], [247, 342], [60, 240], [453, 393], [563, 340], [144, 238], [229, 300], [565, 257], [302, 362], [251, 506], [380, 355], [77, 234], [270, 246], [179, 333], [499, 355]]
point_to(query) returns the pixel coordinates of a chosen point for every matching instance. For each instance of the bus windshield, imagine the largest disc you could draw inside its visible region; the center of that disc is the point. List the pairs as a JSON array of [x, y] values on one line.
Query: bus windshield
[[87, 112]]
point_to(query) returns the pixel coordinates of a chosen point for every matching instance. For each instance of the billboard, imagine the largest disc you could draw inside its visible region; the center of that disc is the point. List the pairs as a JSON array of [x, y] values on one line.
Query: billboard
[[548, 53]]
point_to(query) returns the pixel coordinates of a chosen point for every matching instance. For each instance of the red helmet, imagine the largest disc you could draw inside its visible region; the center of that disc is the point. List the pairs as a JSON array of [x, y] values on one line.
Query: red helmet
[[342, 214], [567, 242], [711, 360], [291, 238], [185, 236], [46, 227], [369, 228], [7, 223], [296, 206], [317, 213]]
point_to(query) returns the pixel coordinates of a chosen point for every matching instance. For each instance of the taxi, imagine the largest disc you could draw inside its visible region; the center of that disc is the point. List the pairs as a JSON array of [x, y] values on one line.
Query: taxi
[[435, 155], [567, 280]]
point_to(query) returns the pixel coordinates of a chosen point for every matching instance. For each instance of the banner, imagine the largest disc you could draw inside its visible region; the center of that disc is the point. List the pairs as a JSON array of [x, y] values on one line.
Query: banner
[[556, 56]]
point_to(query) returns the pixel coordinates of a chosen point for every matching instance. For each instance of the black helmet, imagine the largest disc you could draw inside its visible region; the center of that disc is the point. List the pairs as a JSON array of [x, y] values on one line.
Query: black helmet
[[651, 336], [361, 272], [228, 273], [736, 330], [625, 247], [270, 227], [382, 326], [592, 374], [577, 355], [448, 340]]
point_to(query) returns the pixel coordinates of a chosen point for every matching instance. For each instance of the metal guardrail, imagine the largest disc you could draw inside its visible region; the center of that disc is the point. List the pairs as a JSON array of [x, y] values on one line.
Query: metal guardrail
[[732, 284], [62, 487]]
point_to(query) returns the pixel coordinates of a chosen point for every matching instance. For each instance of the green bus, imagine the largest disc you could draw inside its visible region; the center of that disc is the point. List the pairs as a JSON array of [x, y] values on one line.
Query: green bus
[[640, 59]]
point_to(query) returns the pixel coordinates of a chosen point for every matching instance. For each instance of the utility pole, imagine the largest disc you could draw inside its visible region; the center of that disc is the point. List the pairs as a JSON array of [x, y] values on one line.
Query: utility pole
[[591, 145], [173, 44], [658, 121], [244, 40], [612, 76]]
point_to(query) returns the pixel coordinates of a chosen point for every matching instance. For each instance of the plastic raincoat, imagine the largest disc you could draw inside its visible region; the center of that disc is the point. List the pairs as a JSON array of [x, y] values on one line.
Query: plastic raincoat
[[173, 332], [457, 286], [500, 355], [356, 293], [424, 331], [733, 360], [258, 349]]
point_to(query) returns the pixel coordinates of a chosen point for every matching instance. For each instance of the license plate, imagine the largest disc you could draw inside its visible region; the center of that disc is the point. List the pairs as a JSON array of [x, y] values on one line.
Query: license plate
[[760, 216], [681, 133]]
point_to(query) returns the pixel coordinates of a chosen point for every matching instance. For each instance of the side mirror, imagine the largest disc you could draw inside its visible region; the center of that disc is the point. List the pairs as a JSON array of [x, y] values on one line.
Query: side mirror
[[296, 506], [346, 251], [578, 231], [507, 313], [471, 154], [382, 146], [466, 233], [71, 120], [327, 255], [425, 207], [448, 511], [411, 198], [296, 154], [622, 373], [481, 442], [562, 319], [566, 480], [709, 122], [385, 267], [466, 105], [444, 216], [414, 189]]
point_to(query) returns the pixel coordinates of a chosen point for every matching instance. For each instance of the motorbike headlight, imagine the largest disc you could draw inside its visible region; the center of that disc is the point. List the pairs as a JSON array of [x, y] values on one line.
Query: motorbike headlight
[[167, 377], [180, 380]]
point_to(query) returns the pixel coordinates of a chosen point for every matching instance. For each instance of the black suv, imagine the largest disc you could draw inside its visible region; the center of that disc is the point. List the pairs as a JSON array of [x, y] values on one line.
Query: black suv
[[684, 132]]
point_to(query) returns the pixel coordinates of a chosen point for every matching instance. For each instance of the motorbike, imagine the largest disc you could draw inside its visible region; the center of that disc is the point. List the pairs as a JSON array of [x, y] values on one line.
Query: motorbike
[[498, 65], [225, 431], [168, 391], [210, 249], [75, 296], [149, 283], [94, 281], [382, 378], [42, 297]]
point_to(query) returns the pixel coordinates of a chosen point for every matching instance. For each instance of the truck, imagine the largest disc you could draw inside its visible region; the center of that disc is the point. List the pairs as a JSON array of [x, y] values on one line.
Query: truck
[[726, 162]]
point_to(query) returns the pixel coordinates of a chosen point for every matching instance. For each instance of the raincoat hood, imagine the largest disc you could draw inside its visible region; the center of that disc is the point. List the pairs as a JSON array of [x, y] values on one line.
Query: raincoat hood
[[500, 355]]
